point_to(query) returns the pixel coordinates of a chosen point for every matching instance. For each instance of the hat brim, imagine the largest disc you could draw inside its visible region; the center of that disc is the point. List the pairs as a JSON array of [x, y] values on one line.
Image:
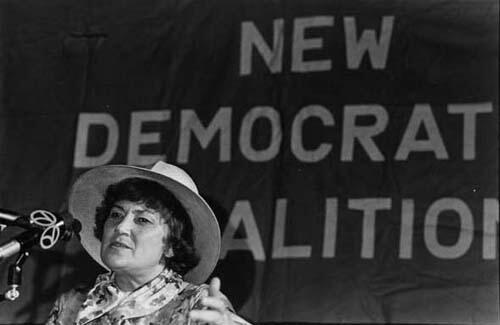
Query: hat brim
[[88, 192]]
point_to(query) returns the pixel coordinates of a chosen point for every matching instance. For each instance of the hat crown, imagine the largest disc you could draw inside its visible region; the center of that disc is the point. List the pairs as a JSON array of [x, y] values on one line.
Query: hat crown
[[175, 173]]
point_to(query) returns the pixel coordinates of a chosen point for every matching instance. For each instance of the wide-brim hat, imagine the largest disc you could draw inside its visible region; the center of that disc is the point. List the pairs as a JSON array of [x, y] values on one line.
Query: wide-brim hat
[[87, 193]]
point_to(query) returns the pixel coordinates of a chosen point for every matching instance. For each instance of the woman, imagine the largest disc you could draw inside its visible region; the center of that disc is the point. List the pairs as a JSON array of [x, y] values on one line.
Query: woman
[[159, 240]]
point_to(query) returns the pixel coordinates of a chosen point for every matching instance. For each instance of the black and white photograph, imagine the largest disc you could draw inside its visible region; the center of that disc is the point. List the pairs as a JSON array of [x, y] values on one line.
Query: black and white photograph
[[249, 162]]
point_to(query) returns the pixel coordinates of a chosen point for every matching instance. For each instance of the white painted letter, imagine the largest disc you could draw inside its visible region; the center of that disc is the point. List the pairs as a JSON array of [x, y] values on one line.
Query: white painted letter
[[330, 234], [136, 137], [301, 44], [272, 150], [421, 115], [369, 207], [490, 228], [279, 248], [85, 120], [470, 112], [465, 232], [406, 239], [190, 123], [364, 134], [297, 144], [242, 212], [377, 51], [251, 36]]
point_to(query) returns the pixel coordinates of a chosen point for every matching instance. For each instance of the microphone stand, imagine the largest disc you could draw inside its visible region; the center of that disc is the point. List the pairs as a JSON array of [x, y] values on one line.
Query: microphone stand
[[45, 229], [14, 279]]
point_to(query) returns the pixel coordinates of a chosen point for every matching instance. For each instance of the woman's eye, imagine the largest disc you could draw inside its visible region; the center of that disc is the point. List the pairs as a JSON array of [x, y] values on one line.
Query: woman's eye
[[114, 215], [143, 220]]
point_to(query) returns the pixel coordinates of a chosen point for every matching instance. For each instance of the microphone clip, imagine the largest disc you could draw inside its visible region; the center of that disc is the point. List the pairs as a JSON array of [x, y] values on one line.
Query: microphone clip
[[14, 279]]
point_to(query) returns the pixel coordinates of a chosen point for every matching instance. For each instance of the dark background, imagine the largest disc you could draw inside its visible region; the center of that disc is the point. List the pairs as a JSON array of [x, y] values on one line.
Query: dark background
[[59, 59]]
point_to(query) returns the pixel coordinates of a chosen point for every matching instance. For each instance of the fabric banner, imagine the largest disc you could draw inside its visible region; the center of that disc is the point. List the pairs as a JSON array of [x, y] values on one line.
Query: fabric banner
[[348, 148]]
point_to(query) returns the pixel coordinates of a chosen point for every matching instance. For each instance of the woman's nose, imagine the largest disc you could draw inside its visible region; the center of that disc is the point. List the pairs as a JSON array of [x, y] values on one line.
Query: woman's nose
[[125, 224]]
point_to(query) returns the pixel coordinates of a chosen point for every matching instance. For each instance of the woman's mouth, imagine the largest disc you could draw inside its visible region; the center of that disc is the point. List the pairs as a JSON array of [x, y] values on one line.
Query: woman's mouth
[[116, 244]]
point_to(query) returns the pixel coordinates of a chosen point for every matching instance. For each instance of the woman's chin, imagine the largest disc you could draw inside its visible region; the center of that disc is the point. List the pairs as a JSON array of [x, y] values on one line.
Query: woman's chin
[[116, 262]]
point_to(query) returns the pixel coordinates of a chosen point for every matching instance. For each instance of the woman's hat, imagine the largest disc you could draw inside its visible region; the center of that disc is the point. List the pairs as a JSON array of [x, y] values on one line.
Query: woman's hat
[[88, 192]]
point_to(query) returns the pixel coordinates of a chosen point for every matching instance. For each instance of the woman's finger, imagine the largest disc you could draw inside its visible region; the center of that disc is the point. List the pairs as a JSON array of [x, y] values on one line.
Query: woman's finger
[[210, 316], [214, 303], [214, 288]]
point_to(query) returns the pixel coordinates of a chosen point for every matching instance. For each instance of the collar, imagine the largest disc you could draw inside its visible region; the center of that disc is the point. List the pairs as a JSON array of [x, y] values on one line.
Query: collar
[[106, 298]]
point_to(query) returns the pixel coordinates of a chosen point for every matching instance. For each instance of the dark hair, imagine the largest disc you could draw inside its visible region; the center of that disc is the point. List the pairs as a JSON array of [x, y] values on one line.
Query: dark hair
[[155, 196]]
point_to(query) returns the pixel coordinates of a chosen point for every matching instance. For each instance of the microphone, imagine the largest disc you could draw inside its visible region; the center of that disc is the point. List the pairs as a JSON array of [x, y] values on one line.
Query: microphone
[[71, 225], [22, 241], [10, 218], [43, 228]]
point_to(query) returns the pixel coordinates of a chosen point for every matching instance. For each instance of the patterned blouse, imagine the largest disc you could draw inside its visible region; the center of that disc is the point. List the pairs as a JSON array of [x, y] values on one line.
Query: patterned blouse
[[166, 299]]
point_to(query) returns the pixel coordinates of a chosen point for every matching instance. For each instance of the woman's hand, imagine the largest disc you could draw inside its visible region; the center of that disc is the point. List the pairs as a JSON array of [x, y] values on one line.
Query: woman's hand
[[215, 309]]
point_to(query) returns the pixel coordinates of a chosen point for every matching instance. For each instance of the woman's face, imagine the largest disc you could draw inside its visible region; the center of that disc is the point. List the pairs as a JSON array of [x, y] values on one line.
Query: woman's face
[[134, 238]]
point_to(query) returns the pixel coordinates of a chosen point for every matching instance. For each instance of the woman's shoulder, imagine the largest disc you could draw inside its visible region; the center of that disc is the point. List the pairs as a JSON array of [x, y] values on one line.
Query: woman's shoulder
[[73, 296], [68, 304]]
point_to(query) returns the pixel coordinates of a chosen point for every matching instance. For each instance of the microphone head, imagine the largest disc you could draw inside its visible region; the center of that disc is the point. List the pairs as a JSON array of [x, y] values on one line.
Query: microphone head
[[71, 225]]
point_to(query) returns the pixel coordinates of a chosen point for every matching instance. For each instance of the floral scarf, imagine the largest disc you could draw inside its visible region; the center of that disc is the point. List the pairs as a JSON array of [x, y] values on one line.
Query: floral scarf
[[106, 298]]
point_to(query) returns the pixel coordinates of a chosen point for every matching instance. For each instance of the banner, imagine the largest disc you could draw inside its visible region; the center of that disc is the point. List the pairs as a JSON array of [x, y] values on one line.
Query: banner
[[349, 149]]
